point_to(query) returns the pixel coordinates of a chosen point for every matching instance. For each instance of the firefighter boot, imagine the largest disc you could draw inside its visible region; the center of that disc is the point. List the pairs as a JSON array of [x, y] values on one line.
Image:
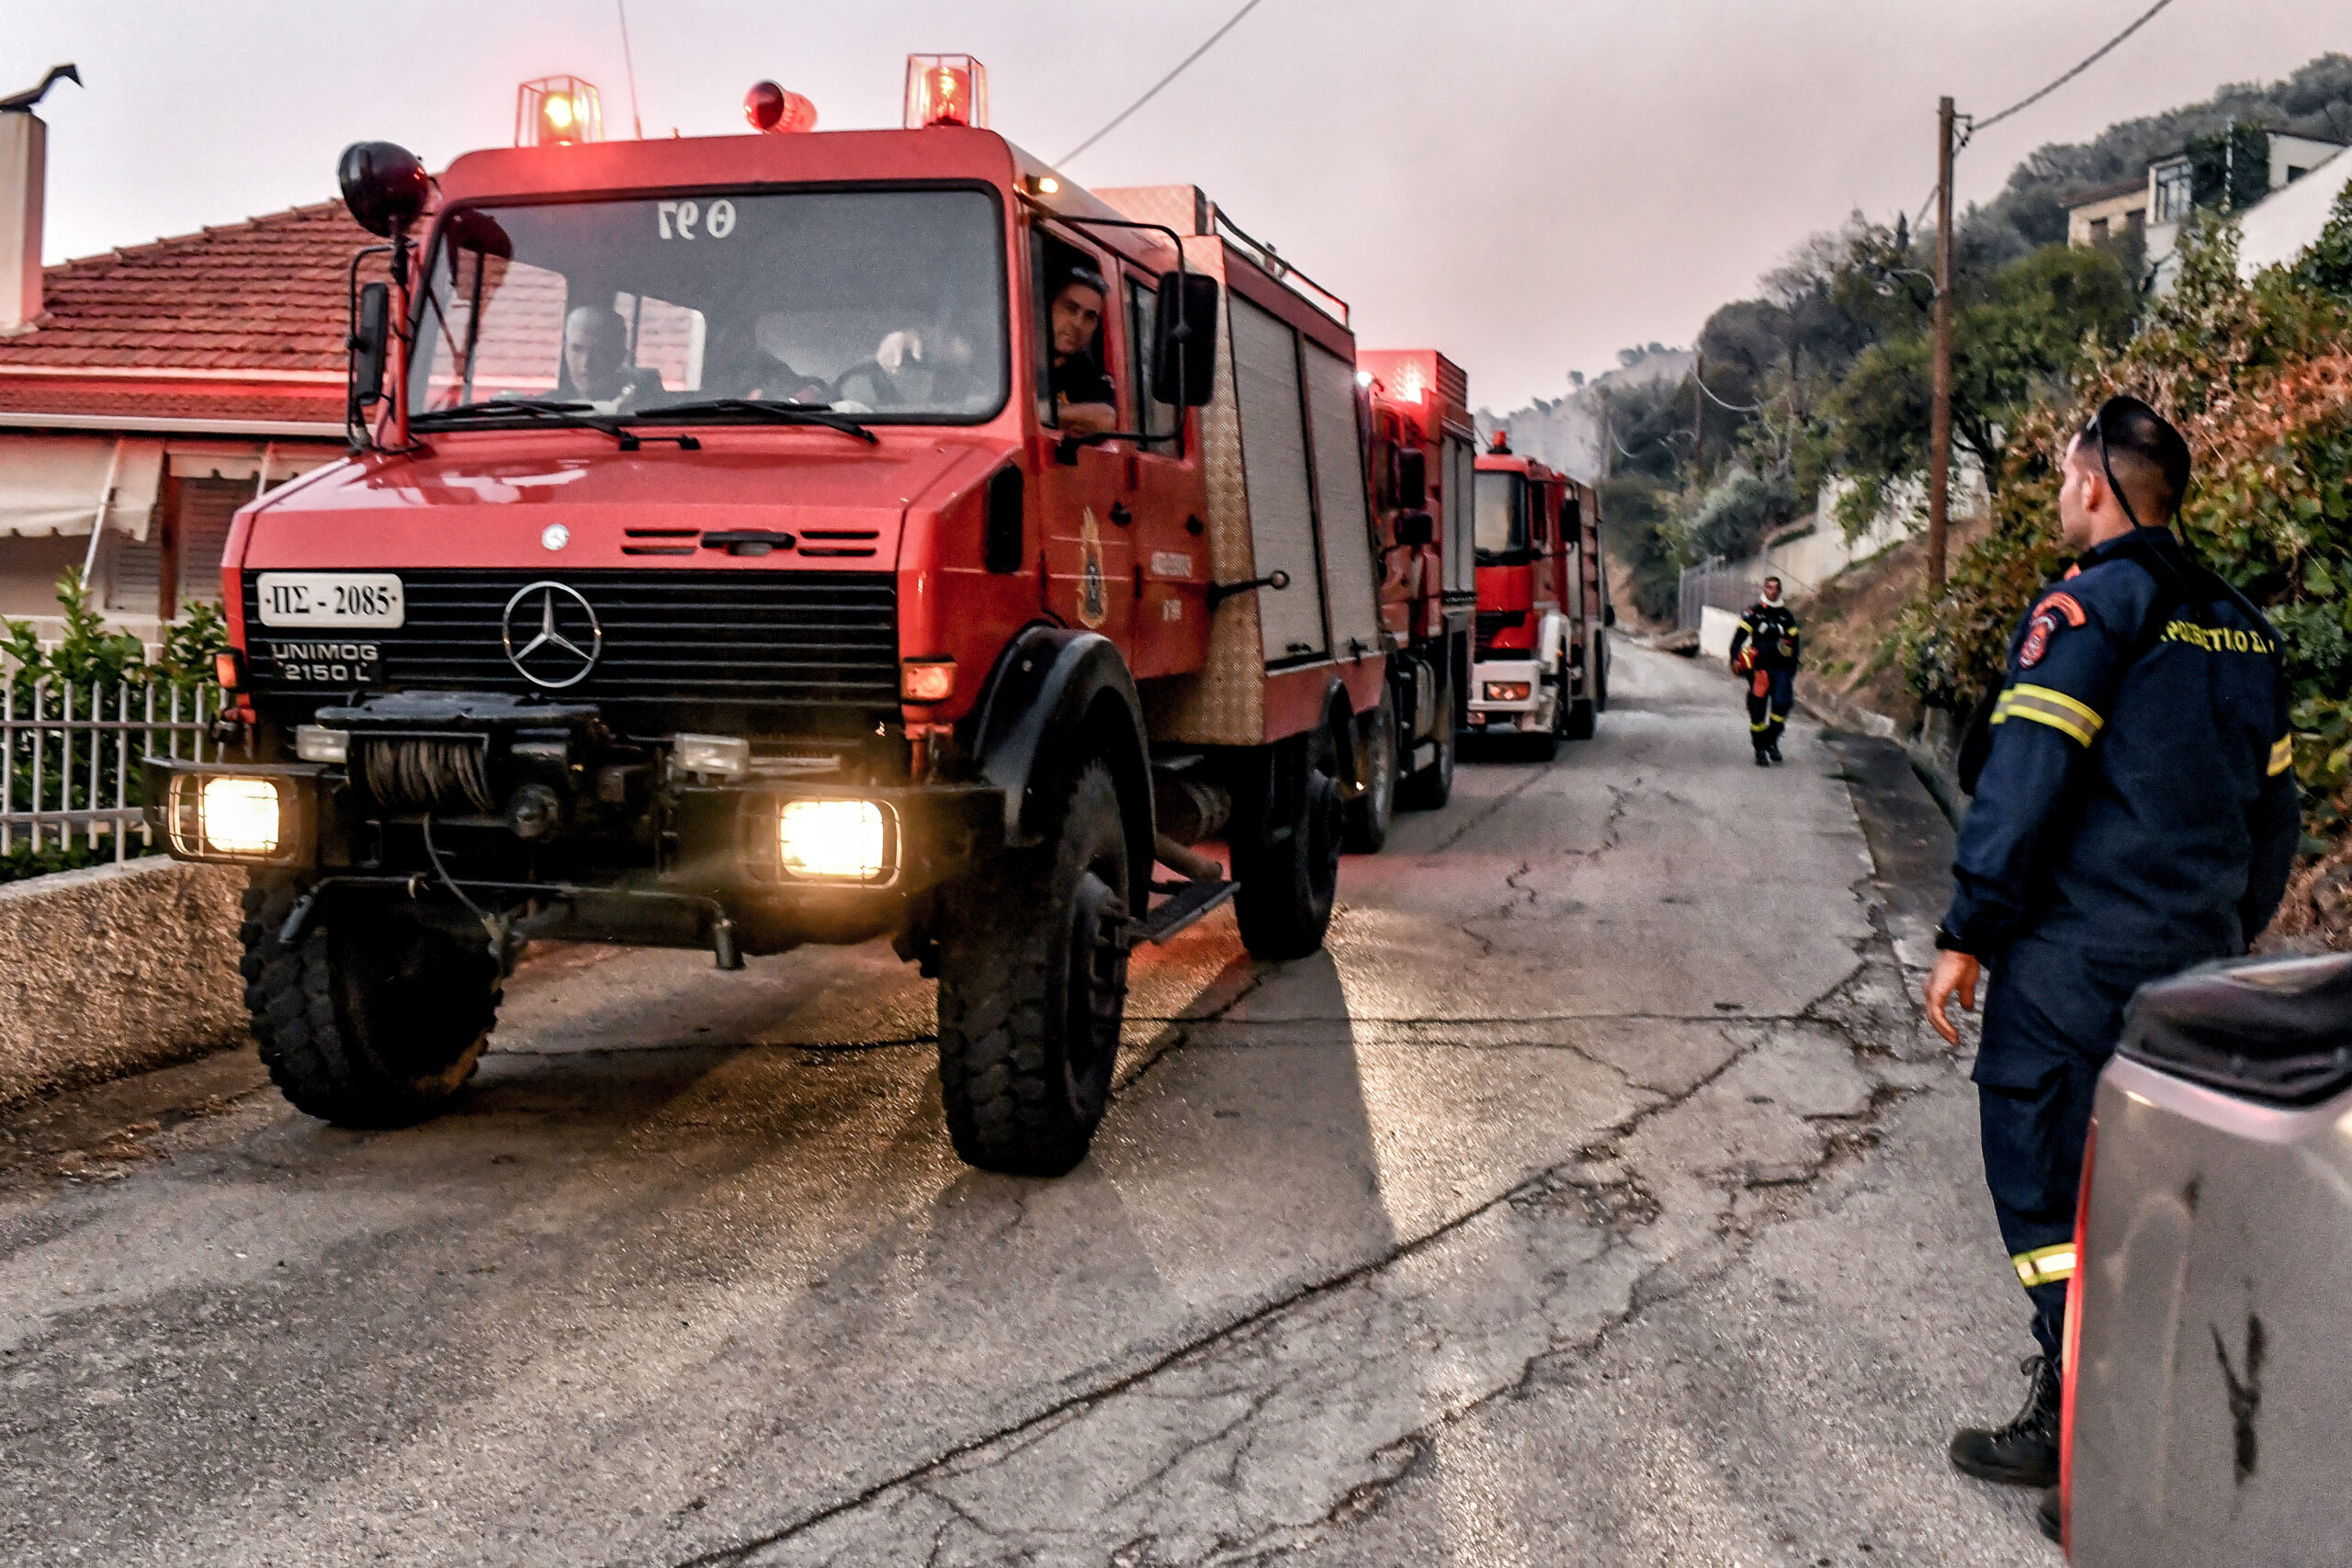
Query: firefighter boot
[[1761, 760], [2024, 1452], [1773, 751]]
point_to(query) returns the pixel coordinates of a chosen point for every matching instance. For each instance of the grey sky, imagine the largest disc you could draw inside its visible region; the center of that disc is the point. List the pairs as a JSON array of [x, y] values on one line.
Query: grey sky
[[1527, 184]]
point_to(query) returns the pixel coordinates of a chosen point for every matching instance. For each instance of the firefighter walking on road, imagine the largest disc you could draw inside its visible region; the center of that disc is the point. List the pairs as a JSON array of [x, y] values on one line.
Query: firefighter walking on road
[[1764, 652], [2135, 814]]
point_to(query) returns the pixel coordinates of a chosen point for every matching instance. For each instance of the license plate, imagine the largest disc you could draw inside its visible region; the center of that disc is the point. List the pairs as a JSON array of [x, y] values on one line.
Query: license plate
[[340, 662], [331, 599]]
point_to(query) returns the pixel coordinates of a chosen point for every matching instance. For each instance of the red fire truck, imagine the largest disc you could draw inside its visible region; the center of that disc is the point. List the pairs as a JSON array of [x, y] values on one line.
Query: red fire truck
[[1542, 660], [1423, 447], [759, 540]]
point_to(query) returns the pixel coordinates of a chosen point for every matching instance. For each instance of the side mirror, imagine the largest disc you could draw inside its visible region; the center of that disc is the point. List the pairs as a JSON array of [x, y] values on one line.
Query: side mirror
[[384, 185], [370, 344], [1416, 528], [1412, 478], [1183, 357]]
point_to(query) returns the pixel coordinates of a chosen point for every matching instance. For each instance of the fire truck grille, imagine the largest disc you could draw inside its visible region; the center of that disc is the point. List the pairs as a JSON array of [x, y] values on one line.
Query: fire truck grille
[[783, 651], [1490, 621]]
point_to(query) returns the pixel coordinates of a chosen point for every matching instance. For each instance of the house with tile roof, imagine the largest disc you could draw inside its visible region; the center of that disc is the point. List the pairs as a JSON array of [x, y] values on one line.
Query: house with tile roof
[[147, 393]]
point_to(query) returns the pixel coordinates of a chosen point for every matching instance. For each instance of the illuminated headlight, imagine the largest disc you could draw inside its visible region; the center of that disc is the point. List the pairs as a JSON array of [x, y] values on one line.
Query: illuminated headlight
[[839, 841], [238, 816], [1507, 691], [317, 743]]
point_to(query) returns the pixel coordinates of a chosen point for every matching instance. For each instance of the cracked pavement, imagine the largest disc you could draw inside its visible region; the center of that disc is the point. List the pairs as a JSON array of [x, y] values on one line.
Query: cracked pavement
[[1599, 1196]]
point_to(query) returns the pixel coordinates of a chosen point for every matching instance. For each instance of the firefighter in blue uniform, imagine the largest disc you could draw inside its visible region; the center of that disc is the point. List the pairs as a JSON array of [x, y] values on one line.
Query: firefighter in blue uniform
[[2135, 814], [1764, 652]]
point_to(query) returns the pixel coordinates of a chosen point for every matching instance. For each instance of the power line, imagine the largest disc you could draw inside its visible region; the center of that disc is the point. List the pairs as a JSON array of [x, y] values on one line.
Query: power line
[[629, 60], [1182, 66], [1976, 125]]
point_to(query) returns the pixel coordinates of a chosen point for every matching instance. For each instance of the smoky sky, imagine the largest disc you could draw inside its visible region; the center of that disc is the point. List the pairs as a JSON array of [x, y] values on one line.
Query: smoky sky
[[1527, 187]]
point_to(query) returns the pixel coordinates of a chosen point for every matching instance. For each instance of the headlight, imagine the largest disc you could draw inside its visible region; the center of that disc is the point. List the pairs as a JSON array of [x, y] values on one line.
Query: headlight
[[238, 816], [840, 840], [317, 743]]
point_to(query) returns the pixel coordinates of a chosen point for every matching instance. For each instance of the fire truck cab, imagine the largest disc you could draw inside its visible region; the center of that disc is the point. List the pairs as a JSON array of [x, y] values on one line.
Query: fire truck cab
[[759, 540], [1541, 670], [1423, 451]]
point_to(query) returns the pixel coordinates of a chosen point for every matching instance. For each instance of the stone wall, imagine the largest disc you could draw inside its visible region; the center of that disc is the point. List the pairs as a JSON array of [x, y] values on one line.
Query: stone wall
[[114, 970]]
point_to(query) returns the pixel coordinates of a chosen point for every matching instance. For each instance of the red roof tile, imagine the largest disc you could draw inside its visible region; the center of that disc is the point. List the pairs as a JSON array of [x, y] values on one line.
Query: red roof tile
[[266, 297]]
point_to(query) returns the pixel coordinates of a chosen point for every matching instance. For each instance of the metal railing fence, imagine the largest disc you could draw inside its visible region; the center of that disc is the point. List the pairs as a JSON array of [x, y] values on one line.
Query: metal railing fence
[[1727, 585], [70, 756]]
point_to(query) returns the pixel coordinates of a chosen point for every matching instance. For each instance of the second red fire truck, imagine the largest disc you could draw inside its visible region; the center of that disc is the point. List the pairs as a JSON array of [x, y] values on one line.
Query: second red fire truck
[[1541, 670], [759, 540]]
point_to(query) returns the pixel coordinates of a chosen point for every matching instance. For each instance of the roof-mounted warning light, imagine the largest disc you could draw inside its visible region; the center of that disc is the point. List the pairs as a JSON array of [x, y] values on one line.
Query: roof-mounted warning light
[[557, 111], [770, 108], [947, 89]]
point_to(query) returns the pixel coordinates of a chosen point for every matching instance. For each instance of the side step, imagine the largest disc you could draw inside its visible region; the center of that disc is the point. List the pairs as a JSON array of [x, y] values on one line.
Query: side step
[[1186, 902]]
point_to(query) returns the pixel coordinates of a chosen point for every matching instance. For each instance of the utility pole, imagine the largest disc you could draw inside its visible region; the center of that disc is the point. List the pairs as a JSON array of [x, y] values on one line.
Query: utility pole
[[1939, 420]]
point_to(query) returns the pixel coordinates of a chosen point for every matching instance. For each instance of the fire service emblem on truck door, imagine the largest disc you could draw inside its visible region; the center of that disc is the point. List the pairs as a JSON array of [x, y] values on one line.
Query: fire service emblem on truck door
[[544, 630], [1093, 593]]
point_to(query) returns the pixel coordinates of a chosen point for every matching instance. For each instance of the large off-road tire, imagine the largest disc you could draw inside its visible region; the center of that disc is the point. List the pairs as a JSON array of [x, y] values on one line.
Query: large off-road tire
[[1368, 813], [1033, 986], [1601, 678], [1286, 850], [373, 1016], [1433, 786], [1579, 724]]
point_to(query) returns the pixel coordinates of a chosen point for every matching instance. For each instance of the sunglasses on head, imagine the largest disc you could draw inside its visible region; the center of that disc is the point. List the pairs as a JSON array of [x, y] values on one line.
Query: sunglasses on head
[[2095, 428]]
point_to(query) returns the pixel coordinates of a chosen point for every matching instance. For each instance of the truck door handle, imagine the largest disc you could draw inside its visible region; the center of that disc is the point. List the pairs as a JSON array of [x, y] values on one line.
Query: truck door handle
[[1120, 514]]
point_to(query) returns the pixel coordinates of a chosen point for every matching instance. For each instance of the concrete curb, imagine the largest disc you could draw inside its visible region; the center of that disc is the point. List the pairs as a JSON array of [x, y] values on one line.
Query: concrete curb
[[116, 970]]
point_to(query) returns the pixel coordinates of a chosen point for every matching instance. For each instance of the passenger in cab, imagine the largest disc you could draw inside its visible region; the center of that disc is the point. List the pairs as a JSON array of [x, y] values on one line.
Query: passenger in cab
[[735, 366], [1085, 403], [596, 355], [936, 367]]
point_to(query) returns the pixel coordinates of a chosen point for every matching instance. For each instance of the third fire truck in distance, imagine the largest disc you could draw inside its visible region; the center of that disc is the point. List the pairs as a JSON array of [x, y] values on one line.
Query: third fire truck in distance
[[1541, 663], [801, 538], [1423, 449]]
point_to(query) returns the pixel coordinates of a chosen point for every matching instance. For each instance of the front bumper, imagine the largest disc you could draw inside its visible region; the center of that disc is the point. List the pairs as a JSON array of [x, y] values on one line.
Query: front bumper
[[1503, 712], [722, 853]]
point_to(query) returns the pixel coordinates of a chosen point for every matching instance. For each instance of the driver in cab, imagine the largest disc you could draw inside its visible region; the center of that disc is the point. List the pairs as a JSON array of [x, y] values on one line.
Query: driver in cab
[[595, 361], [1085, 403]]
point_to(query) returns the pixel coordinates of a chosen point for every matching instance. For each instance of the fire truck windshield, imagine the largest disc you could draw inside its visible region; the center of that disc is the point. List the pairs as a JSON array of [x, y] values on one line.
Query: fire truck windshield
[[1501, 519], [886, 304]]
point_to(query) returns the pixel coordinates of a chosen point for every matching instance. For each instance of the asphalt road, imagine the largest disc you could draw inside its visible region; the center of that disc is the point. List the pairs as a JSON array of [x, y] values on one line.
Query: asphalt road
[[1597, 1198]]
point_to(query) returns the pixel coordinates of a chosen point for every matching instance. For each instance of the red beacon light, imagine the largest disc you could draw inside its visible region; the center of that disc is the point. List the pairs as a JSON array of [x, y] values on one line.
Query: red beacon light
[[947, 89], [558, 111], [770, 108]]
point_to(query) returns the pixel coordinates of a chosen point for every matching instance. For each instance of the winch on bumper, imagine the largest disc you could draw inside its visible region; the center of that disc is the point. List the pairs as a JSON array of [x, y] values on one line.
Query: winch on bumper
[[541, 818]]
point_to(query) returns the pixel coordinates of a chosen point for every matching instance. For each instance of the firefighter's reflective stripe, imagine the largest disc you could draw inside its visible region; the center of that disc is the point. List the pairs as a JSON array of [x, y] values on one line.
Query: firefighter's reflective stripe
[[2282, 756], [2045, 1265], [2055, 708], [1759, 726]]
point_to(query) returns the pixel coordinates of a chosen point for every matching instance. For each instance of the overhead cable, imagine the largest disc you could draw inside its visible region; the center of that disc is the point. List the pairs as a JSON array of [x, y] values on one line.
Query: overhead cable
[[1181, 66], [1976, 125]]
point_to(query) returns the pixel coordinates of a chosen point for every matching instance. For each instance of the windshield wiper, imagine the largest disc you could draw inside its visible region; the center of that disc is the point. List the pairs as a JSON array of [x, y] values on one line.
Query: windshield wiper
[[774, 412], [546, 411]]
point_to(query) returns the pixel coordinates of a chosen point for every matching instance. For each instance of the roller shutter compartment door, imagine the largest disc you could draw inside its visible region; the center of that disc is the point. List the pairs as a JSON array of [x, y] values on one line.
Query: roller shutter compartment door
[[207, 508], [1461, 514], [1282, 500], [1345, 512]]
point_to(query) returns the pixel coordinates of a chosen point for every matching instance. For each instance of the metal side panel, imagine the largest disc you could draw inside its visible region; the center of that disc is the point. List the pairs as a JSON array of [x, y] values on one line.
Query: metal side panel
[[1282, 508], [2215, 1292], [1346, 511], [1461, 515]]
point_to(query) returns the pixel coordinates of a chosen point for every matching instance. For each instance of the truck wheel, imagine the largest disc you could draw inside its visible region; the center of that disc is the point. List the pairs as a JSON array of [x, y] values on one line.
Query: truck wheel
[[1033, 984], [1601, 685], [1433, 785], [1579, 725], [1368, 813], [372, 1017], [1288, 859]]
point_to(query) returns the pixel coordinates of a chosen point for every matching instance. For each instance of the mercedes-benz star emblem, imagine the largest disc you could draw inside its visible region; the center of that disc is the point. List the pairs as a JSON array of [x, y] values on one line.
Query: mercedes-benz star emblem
[[551, 634]]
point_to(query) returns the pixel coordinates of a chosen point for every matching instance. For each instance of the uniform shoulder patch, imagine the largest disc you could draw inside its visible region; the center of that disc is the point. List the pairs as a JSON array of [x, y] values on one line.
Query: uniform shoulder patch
[[2058, 610]]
